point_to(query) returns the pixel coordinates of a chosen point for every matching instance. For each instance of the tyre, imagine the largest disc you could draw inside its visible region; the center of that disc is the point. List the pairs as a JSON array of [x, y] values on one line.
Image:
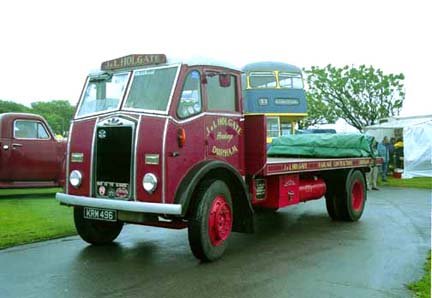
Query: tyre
[[346, 197], [334, 196], [211, 221], [331, 199], [355, 196], [95, 231]]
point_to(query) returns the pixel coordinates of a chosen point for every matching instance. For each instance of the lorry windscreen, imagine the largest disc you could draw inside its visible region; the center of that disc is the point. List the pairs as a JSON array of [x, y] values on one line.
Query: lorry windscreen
[[103, 93], [151, 89]]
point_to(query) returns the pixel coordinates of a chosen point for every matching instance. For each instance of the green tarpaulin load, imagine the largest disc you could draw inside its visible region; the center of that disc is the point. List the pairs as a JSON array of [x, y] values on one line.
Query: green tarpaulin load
[[322, 145]]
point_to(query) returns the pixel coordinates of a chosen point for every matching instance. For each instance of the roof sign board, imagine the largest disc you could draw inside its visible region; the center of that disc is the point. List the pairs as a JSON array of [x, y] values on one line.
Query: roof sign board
[[133, 61]]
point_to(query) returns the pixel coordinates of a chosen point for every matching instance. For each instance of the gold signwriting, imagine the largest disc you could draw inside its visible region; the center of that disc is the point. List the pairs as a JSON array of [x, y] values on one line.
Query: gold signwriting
[[325, 164], [342, 163], [133, 61], [296, 166], [225, 152], [314, 165], [223, 130]]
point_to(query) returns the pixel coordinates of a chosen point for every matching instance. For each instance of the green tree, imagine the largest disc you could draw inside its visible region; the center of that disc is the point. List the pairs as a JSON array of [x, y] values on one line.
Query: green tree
[[319, 112], [58, 113], [10, 106], [361, 96]]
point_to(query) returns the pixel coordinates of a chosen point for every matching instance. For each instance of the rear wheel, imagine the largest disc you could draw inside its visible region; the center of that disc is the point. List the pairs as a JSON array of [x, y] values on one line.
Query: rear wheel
[[355, 196], [331, 204], [346, 197], [94, 231], [211, 221]]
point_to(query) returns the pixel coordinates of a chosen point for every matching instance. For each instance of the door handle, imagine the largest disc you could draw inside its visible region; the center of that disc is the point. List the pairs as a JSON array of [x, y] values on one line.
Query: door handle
[[15, 145]]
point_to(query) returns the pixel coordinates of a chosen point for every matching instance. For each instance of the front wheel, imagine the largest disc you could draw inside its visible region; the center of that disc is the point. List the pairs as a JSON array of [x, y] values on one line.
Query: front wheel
[[94, 231], [211, 221]]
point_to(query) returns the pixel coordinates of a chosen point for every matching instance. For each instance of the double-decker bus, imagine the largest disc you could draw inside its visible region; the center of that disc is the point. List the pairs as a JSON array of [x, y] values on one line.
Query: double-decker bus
[[276, 90]]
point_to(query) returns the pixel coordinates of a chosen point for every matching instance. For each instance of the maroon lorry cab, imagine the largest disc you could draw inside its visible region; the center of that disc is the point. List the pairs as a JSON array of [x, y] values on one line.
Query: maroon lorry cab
[[30, 155], [160, 143]]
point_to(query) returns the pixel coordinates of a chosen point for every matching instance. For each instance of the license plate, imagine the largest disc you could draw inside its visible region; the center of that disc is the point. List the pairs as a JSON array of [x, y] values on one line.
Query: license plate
[[100, 214]]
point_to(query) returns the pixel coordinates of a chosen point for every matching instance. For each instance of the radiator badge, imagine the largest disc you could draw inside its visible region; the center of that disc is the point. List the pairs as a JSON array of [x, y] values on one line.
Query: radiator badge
[[102, 190], [122, 192], [102, 134]]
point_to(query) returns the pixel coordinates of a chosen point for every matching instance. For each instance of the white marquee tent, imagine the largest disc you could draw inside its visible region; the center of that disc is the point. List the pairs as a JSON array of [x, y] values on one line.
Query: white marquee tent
[[417, 138]]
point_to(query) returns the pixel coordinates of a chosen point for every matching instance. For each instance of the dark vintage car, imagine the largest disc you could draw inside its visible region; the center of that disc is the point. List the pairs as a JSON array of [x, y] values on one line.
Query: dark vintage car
[[30, 155]]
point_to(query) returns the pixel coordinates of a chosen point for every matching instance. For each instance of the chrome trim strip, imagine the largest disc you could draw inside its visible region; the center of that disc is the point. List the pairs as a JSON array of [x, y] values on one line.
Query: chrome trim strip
[[163, 159], [195, 117], [135, 184], [68, 157], [81, 98], [140, 113], [108, 115], [128, 122], [119, 114], [174, 209], [92, 168]]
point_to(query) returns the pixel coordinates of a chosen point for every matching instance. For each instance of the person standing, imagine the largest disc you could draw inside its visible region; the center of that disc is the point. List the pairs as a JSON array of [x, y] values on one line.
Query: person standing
[[372, 175], [383, 152], [392, 163], [399, 153]]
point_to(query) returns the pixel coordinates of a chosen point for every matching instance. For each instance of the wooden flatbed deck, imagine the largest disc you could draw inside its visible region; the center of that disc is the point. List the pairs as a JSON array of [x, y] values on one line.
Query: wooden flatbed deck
[[288, 165]]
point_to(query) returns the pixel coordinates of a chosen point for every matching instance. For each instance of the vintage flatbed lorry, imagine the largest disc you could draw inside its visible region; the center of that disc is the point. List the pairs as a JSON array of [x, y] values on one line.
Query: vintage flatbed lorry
[[168, 145], [30, 155]]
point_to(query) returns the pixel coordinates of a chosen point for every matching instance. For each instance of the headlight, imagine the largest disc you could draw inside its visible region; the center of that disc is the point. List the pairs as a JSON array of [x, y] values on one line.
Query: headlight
[[75, 178], [150, 182]]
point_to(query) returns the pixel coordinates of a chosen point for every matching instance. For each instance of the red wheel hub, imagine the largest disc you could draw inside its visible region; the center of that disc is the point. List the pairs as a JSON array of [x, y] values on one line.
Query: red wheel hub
[[220, 221], [357, 196]]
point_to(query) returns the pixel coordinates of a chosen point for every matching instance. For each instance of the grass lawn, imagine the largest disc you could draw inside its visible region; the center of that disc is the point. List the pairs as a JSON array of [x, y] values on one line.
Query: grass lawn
[[422, 288], [30, 215], [28, 191], [418, 182]]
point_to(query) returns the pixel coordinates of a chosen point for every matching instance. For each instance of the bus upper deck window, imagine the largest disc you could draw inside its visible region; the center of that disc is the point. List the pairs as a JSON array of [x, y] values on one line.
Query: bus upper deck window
[[290, 80], [262, 79]]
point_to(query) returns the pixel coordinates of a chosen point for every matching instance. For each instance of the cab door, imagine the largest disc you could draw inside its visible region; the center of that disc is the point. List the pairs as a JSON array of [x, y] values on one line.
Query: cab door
[[184, 140], [33, 152], [223, 120], [5, 161]]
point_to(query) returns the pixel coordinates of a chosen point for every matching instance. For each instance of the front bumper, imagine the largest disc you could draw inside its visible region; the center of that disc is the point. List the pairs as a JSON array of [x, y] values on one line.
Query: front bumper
[[131, 206]]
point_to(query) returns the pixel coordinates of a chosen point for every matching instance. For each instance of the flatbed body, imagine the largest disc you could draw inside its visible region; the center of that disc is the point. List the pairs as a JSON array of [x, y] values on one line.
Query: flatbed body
[[259, 164]]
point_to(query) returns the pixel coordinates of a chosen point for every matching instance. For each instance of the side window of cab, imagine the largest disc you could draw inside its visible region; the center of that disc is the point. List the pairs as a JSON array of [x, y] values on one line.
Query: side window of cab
[[221, 92], [28, 129], [190, 99]]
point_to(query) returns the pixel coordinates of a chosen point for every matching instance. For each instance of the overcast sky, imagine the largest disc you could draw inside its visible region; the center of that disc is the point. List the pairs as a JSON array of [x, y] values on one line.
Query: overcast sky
[[48, 47]]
